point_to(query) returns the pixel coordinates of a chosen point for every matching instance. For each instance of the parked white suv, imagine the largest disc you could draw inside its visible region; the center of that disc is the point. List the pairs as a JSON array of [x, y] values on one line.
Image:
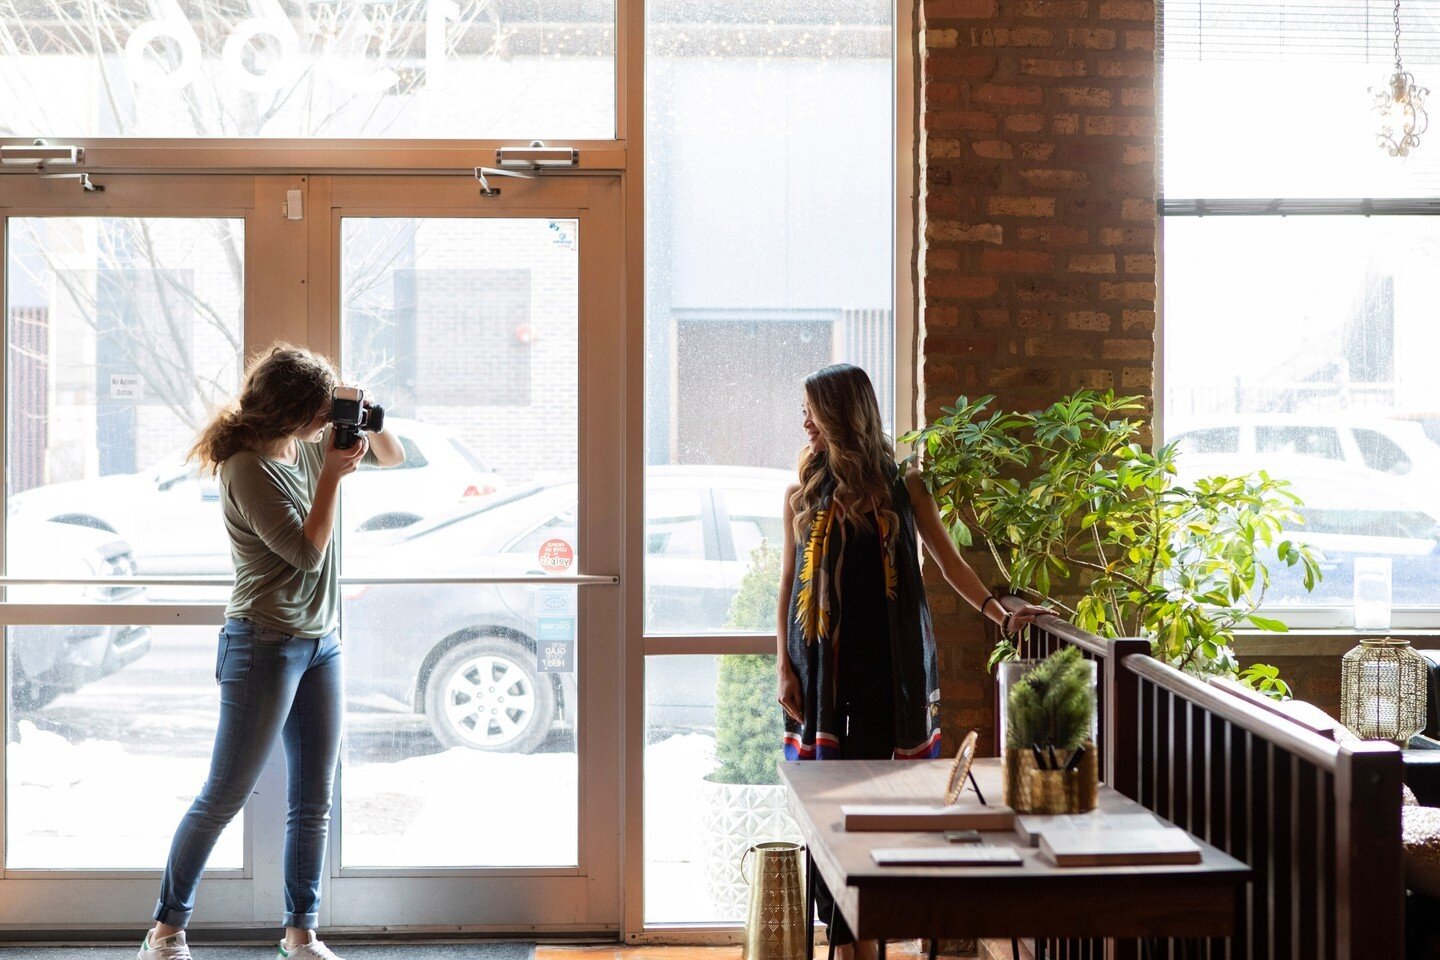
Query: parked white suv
[[1398, 448]]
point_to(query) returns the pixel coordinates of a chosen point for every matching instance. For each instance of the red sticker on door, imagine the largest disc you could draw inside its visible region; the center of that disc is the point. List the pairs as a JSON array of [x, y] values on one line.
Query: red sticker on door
[[556, 556]]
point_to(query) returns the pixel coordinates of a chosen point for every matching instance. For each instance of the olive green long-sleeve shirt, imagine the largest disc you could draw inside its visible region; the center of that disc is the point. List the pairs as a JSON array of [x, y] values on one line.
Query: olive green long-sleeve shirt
[[282, 580]]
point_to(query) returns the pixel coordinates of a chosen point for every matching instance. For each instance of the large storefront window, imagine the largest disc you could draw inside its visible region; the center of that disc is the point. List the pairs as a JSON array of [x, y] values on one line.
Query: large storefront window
[[1296, 344], [469, 69], [769, 254]]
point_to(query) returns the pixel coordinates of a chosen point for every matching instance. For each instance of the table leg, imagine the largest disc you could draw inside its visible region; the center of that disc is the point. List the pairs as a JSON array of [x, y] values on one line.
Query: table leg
[[809, 906], [934, 947], [880, 949]]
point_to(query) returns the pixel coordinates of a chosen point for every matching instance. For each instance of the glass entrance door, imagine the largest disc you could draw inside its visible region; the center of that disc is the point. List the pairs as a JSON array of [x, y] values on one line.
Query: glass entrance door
[[481, 613]]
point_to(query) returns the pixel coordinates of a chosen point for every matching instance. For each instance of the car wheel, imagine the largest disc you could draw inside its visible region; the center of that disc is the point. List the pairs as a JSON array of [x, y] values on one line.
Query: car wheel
[[486, 694]]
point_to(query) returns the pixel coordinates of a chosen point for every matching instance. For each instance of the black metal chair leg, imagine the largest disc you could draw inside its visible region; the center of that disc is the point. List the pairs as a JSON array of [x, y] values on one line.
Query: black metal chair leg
[[1014, 948], [809, 907], [934, 947], [880, 949]]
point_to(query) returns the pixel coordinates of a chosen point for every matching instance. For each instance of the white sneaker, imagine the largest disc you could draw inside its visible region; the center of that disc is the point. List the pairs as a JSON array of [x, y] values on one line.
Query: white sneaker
[[314, 950], [167, 948]]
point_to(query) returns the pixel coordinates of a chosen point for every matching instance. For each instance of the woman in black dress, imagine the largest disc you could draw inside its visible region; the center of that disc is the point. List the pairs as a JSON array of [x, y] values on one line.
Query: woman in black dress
[[856, 652]]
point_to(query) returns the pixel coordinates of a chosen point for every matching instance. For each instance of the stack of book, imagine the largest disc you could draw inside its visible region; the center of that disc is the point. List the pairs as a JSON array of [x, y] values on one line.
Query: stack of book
[[1107, 840]]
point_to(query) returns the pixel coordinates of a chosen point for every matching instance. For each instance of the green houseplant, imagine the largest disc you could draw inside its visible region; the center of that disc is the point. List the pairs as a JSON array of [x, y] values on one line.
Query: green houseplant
[[1050, 763], [1073, 509], [1051, 710], [743, 803]]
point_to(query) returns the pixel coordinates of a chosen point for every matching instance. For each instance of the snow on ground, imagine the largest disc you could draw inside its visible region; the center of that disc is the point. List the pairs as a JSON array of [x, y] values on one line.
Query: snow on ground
[[93, 804], [100, 803], [674, 878], [462, 808]]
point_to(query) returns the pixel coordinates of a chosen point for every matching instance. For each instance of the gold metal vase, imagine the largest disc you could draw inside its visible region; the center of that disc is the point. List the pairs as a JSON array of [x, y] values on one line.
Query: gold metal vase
[[1030, 789], [775, 923]]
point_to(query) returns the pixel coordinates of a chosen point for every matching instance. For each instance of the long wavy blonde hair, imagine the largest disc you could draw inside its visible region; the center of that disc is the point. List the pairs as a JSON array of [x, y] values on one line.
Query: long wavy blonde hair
[[283, 389], [858, 456]]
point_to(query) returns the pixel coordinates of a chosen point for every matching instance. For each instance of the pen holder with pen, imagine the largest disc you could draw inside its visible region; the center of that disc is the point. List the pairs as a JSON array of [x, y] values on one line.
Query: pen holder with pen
[[1051, 761], [1029, 788]]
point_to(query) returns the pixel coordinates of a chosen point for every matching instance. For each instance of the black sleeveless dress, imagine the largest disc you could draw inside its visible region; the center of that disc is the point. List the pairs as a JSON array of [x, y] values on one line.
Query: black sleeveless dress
[[864, 691], [857, 606]]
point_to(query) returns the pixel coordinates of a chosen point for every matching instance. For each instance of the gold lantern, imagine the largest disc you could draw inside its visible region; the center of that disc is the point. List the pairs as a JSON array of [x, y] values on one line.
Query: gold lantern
[[1382, 690]]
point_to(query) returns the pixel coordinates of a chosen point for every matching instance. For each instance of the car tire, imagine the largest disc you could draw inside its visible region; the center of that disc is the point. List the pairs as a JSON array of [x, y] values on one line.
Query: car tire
[[485, 694]]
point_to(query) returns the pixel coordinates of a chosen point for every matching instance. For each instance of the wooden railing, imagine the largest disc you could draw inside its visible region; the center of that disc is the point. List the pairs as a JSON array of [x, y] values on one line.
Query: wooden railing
[[1317, 821]]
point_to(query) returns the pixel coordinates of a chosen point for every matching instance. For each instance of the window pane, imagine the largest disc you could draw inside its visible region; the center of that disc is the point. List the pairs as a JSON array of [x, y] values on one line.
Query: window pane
[[754, 517], [467, 331], [712, 736], [308, 68], [124, 334], [752, 282], [1380, 452], [1271, 98], [674, 528], [1305, 441], [1319, 345], [104, 757], [463, 706], [1215, 440]]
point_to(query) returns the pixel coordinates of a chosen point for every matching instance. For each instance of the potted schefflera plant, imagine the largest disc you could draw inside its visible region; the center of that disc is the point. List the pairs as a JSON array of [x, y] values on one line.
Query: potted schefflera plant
[[1076, 512], [1050, 762], [743, 802]]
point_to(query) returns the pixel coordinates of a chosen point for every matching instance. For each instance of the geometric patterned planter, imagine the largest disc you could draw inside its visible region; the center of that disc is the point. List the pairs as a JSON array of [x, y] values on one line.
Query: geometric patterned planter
[[733, 818]]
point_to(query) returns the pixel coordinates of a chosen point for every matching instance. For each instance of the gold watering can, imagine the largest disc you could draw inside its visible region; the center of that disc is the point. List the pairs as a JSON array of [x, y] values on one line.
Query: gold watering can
[[775, 924]]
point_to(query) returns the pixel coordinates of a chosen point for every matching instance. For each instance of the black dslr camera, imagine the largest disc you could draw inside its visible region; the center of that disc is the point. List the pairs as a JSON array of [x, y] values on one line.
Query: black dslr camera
[[351, 415]]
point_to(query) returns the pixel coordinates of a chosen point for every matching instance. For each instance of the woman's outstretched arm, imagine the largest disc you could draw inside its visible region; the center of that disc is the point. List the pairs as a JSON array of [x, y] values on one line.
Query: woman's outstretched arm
[[956, 571]]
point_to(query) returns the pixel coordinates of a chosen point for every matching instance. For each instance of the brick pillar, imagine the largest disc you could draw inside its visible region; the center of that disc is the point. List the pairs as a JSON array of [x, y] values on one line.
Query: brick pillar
[[1038, 152]]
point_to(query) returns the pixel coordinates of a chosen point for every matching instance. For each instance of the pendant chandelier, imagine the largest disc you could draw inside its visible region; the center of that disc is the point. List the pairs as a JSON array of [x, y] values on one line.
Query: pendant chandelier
[[1401, 106]]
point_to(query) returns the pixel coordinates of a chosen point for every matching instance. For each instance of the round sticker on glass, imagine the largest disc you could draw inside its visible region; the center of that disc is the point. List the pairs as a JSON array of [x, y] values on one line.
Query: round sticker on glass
[[556, 556]]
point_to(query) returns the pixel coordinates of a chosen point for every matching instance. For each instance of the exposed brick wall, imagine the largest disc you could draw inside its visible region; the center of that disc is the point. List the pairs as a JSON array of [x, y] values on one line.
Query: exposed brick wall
[[1038, 152]]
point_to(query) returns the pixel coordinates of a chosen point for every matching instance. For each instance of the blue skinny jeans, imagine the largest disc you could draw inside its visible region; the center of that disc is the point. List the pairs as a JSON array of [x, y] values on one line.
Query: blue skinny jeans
[[271, 684]]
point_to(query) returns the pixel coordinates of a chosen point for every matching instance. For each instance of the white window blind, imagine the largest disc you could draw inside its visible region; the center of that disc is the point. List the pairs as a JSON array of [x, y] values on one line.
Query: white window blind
[[1269, 99]]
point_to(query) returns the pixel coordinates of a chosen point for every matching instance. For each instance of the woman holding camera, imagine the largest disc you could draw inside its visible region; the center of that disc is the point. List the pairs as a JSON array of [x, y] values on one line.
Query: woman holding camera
[[279, 663], [856, 653]]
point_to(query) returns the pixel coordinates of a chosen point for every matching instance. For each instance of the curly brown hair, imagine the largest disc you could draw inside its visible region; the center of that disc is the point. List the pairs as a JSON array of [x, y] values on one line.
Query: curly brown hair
[[283, 389], [858, 456]]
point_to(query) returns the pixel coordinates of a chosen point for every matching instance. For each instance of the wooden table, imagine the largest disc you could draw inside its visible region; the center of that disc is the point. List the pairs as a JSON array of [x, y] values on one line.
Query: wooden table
[[1034, 899]]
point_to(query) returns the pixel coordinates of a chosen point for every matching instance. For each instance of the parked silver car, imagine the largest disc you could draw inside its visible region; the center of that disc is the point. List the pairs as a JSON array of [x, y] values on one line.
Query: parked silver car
[[46, 661], [170, 513], [465, 656]]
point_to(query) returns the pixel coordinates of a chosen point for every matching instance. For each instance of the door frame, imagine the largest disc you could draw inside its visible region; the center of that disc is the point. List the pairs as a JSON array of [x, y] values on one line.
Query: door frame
[[282, 302], [585, 898]]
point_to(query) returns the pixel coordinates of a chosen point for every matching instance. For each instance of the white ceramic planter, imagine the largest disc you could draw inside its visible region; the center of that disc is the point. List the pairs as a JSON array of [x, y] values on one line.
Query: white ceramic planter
[[733, 818]]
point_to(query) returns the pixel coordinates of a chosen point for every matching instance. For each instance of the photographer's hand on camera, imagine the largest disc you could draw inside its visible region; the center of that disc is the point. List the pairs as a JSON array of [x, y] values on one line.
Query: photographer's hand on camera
[[340, 463], [320, 521]]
